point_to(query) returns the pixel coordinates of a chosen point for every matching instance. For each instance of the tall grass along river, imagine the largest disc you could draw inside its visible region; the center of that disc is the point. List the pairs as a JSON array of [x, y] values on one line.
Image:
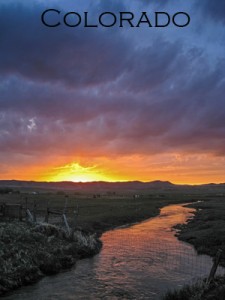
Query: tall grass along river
[[142, 261]]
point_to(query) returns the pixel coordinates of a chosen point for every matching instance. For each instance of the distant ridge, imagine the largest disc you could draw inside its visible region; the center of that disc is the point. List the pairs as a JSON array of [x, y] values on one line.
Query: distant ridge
[[129, 185], [157, 184]]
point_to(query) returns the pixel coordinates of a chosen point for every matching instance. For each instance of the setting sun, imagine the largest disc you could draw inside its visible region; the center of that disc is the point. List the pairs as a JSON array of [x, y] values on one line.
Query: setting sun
[[77, 173]]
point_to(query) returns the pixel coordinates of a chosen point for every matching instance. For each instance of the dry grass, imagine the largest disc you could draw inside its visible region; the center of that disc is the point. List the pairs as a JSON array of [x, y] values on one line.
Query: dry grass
[[200, 291], [29, 252]]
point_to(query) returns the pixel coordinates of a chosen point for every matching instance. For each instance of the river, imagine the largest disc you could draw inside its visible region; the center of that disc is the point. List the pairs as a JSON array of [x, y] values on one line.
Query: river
[[139, 262]]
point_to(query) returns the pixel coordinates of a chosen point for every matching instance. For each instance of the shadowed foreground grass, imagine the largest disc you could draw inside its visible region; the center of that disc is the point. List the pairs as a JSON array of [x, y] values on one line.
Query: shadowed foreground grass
[[200, 291], [29, 252]]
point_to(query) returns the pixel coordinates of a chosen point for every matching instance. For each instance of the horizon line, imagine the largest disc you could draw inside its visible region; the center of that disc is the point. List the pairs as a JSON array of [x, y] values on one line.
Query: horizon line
[[112, 182]]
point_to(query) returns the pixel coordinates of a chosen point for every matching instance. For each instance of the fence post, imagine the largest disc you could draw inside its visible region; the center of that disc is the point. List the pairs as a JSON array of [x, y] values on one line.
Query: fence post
[[67, 225], [216, 261], [29, 216], [76, 212], [34, 211], [3, 209], [75, 215], [47, 213], [20, 212], [65, 206], [26, 208]]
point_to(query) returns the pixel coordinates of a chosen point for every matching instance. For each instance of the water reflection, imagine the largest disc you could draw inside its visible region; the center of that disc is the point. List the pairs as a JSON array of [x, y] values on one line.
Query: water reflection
[[139, 262]]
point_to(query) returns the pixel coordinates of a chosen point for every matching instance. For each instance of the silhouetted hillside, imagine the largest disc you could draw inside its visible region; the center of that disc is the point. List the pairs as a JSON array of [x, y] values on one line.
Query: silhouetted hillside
[[130, 185], [101, 185]]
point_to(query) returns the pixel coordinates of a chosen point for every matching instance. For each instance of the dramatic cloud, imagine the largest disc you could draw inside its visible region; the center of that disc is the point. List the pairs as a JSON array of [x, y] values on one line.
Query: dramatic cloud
[[215, 10], [84, 94]]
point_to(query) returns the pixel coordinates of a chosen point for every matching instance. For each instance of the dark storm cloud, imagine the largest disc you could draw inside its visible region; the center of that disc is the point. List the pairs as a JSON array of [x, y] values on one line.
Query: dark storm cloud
[[68, 91], [74, 56], [214, 9]]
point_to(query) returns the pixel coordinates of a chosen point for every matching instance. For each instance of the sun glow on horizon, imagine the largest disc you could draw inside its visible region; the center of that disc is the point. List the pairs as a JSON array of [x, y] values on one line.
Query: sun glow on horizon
[[178, 168], [77, 173]]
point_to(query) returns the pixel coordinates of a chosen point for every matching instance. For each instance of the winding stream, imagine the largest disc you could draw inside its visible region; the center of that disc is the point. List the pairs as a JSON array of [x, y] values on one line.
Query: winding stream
[[137, 262]]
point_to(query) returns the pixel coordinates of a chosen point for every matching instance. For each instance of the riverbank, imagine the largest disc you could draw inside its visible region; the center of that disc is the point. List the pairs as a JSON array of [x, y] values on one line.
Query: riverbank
[[111, 213], [30, 249], [27, 255], [206, 232], [200, 291], [29, 252], [133, 264]]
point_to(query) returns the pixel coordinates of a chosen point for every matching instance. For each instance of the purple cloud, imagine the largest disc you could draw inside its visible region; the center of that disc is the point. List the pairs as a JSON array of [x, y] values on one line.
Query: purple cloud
[[72, 91]]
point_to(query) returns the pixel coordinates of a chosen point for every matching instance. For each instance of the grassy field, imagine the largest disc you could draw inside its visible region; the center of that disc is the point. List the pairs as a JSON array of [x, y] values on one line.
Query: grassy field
[[98, 212]]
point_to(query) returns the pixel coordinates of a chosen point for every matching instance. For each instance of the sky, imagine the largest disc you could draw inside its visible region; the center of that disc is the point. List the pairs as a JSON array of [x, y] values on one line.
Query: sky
[[113, 104]]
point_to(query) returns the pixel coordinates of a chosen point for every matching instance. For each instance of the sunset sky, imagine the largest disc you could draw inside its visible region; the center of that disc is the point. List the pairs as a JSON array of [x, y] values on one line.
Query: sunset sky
[[113, 104]]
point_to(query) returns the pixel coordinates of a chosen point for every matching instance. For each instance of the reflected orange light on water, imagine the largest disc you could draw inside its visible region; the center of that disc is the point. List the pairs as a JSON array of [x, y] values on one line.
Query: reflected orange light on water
[[147, 259], [156, 228]]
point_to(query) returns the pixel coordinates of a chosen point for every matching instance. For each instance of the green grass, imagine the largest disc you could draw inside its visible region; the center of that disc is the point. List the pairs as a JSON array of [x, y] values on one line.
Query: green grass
[[207, 230], [100, 214]]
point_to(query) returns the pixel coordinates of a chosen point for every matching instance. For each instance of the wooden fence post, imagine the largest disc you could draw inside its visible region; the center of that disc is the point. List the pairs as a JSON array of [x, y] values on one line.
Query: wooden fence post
[[67, 225], [47, 213], [65, 206], [76, 212], [29, 216], [20, 212], [216, 261], [34, 211], [4, 209], [26, 208]]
